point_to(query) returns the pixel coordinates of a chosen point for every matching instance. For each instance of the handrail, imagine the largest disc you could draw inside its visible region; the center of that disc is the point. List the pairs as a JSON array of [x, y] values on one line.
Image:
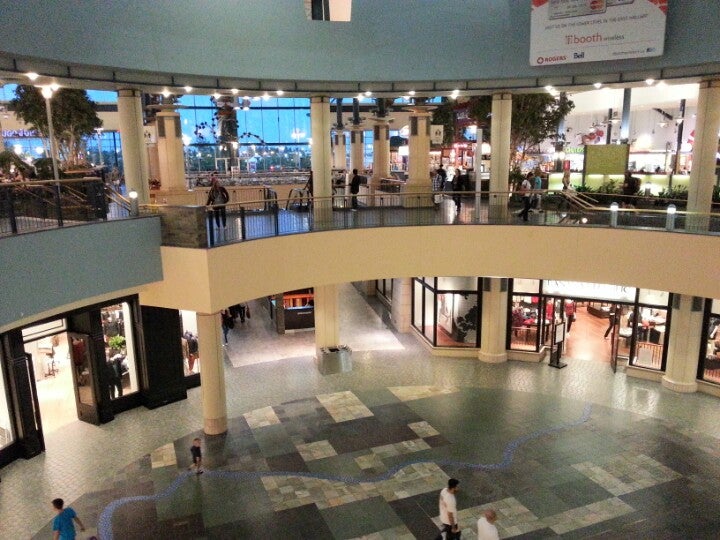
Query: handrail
[[257, 219]]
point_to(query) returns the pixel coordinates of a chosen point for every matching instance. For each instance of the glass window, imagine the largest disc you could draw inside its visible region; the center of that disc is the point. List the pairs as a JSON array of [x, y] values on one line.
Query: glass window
[[120, 361], [651, 297], [429, 316], [6, 431], [459, 283], [190, 346], [457, 320], [650, 337], [417, 304], [710, 370], [524, 322], [271, 126], [526, 285]]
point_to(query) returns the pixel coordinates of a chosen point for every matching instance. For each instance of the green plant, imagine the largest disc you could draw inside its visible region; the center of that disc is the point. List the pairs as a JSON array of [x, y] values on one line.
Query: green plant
[[117, 342]]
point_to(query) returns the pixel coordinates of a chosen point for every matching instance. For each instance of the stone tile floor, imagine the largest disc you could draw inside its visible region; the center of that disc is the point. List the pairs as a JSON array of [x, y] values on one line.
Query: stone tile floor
[[640, 462]]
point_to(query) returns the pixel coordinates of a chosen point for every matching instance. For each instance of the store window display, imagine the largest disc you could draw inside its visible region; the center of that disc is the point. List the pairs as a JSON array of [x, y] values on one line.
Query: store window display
[[710, 364], [650, 328], [6, 431], [120, 362], [190, 344]]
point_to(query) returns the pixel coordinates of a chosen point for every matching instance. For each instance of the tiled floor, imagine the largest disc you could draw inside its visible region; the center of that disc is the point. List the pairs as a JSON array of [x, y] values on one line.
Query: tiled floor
[[578, 452]]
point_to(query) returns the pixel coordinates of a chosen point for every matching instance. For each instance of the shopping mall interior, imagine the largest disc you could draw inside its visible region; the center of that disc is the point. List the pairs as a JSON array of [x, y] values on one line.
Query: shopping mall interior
[[342, 352]]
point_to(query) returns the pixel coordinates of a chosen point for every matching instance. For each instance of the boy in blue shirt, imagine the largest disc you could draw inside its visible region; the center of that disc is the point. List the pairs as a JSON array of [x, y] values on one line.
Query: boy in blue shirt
[[63, 527]]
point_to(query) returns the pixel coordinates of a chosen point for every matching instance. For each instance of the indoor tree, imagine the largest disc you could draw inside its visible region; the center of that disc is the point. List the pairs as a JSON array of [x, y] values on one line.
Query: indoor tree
[[535, 118], [74, 117]]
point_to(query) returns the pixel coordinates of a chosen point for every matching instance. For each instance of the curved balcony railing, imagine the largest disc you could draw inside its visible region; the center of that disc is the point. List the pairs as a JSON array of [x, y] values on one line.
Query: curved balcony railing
[[202, 227]]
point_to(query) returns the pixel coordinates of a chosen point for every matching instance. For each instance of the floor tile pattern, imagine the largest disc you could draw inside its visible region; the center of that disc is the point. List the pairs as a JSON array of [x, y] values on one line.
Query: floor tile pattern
[[492, 406], [262, 417], [344, 406]]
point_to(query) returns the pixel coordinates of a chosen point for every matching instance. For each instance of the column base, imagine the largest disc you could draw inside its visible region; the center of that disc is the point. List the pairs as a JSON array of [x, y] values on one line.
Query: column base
[[215, 426], [685, 388], [492, 358]]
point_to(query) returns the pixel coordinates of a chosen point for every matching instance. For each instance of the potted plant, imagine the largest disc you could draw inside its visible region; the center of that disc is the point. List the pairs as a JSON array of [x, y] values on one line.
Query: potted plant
[[117, 344]]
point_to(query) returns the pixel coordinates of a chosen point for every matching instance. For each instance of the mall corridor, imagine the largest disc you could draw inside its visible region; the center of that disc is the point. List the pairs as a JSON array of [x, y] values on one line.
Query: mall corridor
[[577, 452]]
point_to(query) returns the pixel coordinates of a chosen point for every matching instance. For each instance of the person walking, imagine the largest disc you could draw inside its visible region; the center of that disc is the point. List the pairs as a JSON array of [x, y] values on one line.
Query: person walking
[[355, 189], [457, 187], [486, 526], [538, 185], [525, 189], [227, 322], [448, 511], [611, 320], [63, 526], [218, 197], [196, 454], [569, 313]]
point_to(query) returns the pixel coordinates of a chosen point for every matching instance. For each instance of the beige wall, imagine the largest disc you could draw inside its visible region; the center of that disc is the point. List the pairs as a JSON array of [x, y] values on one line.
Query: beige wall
[[207, 281]]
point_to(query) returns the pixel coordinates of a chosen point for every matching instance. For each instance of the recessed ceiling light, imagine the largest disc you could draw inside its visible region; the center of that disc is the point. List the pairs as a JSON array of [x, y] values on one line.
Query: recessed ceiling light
[[280, 92], [649, 82], [368, 93], [54, 87], [549, 88], [597, 85], [661, 84], [411, 92], [165, 92], [266, 96], [360, 96], [32, 75], [256, 98], [187, 89]]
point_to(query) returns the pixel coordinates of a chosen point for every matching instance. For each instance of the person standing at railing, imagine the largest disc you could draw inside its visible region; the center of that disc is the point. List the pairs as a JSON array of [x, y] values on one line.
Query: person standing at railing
[[525, 189], [355, 188], [218, 197]]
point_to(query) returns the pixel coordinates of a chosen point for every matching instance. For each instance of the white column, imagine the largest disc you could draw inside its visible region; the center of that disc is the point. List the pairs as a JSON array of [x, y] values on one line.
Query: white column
[[212, 374], [500, 156], [686, 326], [327, 326], [357, 149], [381, 151], [707, 125], [339, 151], [493, 320], [419, 180], [321, 159], [170, 150], [401, 307], [132, 141]]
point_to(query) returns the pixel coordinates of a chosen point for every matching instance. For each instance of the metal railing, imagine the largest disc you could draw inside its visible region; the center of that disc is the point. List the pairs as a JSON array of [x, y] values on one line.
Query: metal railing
[[203, 227], [46, 204]]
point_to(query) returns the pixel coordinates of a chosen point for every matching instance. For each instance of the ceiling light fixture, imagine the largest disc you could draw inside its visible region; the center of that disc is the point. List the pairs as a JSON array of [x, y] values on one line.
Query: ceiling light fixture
[[187, 89], [597, 85], [280, 92], [411, 92], [165, 93], [368, 93], [32, 75], [234, 91], [216, 95], [266, 96], [649, 82]]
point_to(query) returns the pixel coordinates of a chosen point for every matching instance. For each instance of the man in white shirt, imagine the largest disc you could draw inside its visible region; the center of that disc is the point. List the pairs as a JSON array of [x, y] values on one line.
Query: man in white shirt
[[448, 510], [486, 526]]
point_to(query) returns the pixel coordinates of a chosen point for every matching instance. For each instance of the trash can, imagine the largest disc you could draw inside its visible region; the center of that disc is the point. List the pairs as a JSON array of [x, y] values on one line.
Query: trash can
[[334, 359]]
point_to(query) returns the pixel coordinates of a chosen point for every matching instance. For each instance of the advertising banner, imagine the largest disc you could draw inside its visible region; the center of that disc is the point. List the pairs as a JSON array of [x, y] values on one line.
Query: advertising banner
[[436, 133], [572, 31]]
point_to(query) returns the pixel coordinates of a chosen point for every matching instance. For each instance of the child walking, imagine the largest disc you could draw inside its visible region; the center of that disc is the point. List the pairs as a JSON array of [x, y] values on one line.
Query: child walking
[[196, 452]]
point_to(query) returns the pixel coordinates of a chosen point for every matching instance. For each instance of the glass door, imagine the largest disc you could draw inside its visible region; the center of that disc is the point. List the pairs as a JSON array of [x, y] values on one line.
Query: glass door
[[85, 381]]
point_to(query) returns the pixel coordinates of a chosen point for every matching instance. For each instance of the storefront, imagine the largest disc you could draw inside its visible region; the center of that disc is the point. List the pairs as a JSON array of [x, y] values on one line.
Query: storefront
[[89, 364], [709, 367], [446, 310], [623, 323]]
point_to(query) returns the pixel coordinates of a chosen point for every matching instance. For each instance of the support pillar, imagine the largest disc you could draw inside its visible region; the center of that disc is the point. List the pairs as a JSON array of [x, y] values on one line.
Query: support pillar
[[357, 149], [686, 326], [419, 180], [381, 152], [132, 141], [321, 159], [340, 152], [212, 374], [401, 307], [702, 176], [500, 156], [625, 120], [327, 316], [170, 149], [493, 322]]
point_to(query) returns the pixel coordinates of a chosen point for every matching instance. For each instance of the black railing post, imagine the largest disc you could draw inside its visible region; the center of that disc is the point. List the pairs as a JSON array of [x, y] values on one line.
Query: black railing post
[[58, 204], [11, 209], [243, 226], [276, 216], [211, 231]]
